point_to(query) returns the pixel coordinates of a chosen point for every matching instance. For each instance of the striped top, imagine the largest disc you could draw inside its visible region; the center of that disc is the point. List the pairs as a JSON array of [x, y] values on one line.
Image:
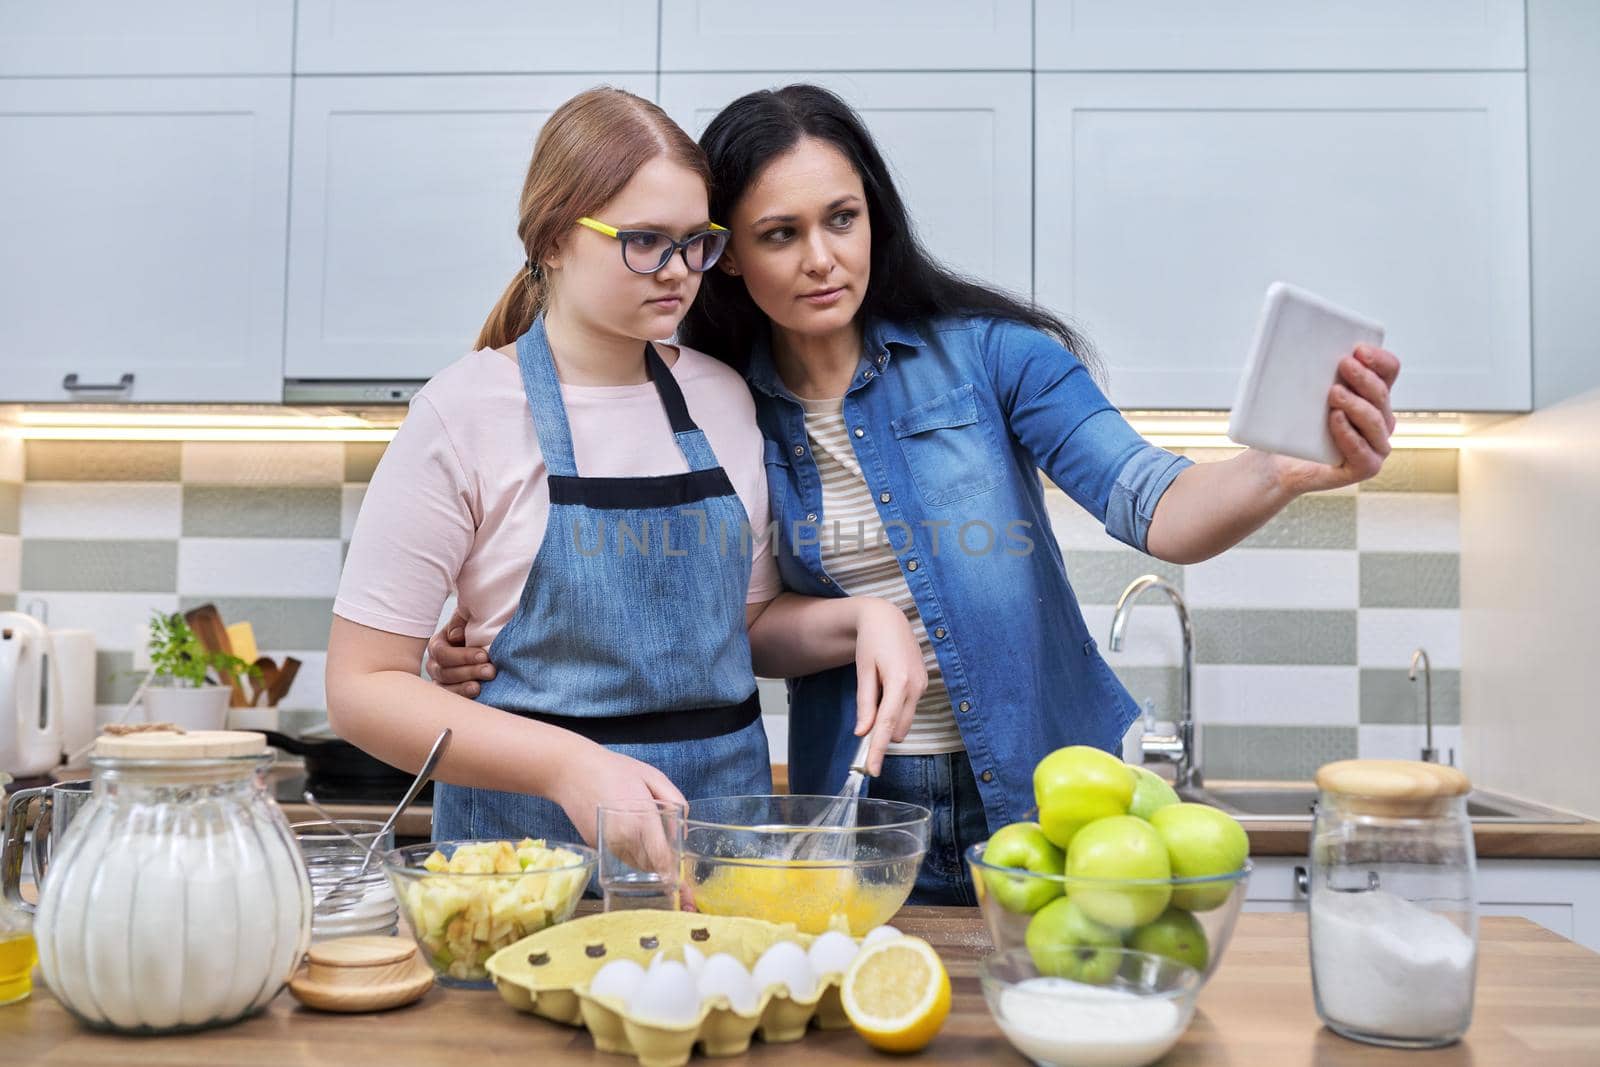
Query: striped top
[[859, 559]]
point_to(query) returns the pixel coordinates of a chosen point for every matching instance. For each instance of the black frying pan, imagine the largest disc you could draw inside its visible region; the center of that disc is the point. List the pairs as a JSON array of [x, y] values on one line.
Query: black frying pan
[[335, 761]]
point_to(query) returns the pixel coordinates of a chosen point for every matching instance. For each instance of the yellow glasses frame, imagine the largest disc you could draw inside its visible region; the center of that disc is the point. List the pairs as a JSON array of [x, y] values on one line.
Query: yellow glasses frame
[[623, 236]]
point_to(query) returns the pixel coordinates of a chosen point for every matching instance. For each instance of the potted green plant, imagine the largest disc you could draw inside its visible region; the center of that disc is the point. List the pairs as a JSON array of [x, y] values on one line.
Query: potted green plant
[[190, 684]]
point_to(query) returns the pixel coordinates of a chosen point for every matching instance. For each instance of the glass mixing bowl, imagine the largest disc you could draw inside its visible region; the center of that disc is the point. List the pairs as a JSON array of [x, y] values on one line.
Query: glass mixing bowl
[[767, 857]]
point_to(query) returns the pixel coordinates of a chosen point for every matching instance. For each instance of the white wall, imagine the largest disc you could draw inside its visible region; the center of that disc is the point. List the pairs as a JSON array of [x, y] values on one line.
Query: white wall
[[1530, 587]]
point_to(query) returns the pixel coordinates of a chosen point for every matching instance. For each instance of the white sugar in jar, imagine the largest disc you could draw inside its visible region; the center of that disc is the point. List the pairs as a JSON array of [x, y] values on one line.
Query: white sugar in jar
[[1393, 902]]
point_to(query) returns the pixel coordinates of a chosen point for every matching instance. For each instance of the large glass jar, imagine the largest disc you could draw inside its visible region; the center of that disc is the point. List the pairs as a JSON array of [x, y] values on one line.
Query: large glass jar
[[1393, 901], [178, 899]]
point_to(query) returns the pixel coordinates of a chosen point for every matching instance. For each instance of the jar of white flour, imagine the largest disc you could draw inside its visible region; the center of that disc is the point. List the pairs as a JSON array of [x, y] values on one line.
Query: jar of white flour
[[1394, 924]]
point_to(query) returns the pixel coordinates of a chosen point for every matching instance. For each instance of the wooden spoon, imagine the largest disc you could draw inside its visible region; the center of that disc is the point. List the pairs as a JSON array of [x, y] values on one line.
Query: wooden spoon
[[282, 681], [269, 674]]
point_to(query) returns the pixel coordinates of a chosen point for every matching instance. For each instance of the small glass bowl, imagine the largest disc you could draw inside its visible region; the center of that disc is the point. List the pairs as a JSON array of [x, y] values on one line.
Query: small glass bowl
[[462, 919], [1131, 1014], [330, 859]]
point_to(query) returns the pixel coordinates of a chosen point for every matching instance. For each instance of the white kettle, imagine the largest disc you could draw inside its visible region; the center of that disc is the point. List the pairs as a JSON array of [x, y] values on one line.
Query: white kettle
[[30, 693]]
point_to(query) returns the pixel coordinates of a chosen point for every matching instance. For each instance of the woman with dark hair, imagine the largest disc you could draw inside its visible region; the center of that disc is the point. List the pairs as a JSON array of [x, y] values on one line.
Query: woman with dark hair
[[907, 413]]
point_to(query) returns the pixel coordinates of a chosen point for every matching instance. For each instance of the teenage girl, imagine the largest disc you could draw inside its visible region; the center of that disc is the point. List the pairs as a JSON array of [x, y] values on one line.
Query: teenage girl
[[597, 502]]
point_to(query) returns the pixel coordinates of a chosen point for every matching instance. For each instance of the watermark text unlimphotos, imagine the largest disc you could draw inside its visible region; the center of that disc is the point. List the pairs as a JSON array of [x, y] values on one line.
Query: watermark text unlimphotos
[[691, 528]]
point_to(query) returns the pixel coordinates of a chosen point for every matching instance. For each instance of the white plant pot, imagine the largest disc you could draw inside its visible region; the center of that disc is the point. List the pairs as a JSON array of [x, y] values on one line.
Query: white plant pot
[[203, 708]]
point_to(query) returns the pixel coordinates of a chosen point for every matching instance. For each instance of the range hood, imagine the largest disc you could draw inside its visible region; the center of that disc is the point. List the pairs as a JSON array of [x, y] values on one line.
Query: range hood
[[353, 392]]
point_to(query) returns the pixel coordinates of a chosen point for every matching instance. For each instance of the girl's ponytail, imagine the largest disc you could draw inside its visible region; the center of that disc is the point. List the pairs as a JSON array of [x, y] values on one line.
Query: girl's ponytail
[[515, 311]]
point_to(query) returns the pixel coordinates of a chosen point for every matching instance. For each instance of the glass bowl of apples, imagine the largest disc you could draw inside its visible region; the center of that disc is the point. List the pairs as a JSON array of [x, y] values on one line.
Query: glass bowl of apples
[[1076, 928], [1115, 861], [466, 900]]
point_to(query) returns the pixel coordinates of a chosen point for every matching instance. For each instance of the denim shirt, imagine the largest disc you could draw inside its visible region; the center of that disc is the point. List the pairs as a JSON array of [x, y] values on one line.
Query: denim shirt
[[952, 421]]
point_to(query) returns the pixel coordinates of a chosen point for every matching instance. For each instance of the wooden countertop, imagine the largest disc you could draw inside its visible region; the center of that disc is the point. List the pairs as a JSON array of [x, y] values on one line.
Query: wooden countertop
[[1494, 840], [1536, 1002]]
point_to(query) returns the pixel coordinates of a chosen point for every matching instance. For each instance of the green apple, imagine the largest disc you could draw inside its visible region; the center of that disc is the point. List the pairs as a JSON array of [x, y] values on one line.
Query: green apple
[[1202, 842], [1176, 935], [1150, 792], [1119, 847], [1023, 844], [1074, 786], [1066, 943]]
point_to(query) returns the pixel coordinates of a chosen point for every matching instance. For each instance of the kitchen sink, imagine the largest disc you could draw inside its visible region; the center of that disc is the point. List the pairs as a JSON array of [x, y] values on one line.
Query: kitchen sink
[[1289, 802]]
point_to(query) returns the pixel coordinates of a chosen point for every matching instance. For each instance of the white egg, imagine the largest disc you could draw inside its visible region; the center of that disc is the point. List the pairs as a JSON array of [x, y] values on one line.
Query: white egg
[[832, 953], [693, 959], [880, 933], [724, 976], [619, 979], [666, 995], [785, 964]]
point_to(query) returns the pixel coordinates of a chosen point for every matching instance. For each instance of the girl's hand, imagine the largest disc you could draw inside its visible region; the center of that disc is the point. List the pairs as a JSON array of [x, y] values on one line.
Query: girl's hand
[[890, 676], [454, 665], [1360, 419], [598, 776]]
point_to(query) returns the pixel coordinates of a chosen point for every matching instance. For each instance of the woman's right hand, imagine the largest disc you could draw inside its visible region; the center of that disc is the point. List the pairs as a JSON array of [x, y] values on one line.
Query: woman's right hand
[[890, 676], [453, 664]]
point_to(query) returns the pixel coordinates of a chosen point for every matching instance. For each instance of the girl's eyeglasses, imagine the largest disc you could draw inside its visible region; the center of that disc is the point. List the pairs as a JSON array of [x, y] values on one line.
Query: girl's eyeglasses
[[646, 251]]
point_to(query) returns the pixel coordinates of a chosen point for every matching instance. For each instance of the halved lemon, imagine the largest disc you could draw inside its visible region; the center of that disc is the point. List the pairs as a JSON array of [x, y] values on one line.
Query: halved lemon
[[897, 994]]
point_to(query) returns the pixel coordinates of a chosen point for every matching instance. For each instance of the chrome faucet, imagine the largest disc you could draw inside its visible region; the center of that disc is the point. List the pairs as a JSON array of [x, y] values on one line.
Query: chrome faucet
[[1183, 748], [1429, 753]]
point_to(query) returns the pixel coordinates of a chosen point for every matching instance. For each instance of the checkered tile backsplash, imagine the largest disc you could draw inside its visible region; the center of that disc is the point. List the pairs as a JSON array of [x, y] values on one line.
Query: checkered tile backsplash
[[1303, 633]]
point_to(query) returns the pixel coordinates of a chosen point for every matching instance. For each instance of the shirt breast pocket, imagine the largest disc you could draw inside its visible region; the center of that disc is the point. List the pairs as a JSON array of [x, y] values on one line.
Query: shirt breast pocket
[[950, 447]]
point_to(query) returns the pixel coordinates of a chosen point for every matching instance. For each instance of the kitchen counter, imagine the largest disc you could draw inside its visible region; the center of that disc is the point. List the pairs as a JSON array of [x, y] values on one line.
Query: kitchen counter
[[1536, 1001], [1575, 840]]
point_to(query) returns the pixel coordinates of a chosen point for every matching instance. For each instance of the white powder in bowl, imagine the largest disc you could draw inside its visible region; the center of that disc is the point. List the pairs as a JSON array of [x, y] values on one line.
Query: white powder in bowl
[[1388, 967], [1059, 1023]]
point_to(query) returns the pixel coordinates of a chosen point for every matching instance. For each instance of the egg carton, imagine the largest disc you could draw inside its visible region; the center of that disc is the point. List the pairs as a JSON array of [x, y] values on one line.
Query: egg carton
[[548, 974]]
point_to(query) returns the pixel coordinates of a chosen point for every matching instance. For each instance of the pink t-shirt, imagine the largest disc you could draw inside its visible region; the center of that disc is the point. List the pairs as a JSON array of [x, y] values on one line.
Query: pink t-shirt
[[460, 501]]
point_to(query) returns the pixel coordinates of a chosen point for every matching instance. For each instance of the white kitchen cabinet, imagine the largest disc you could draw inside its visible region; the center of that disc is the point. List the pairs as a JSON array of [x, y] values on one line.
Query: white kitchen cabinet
[[474, 37], [1166, 203], [1279, 35], [115, 37], [144, 224], [404, 223], [705, 35], [958, 144], [1563, 896]]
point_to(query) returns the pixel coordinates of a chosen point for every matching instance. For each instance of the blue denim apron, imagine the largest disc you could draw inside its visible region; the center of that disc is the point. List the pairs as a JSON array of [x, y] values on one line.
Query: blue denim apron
[[630, 630]]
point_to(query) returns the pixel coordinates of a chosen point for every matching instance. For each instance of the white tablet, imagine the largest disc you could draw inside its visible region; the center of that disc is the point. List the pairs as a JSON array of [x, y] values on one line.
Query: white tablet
[[1282, 404]]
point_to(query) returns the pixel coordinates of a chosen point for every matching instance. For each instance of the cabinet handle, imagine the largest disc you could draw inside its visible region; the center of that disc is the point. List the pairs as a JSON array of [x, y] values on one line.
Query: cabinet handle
[[71, 384], [1302, 881]]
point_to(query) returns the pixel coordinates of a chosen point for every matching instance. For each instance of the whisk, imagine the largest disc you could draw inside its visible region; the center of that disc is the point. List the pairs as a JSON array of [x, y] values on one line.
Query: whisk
[[827, 838]]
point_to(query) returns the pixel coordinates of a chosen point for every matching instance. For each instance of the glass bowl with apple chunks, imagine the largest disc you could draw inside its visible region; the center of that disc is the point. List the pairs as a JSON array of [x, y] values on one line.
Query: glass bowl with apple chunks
[[1071, 925], [466, 900]]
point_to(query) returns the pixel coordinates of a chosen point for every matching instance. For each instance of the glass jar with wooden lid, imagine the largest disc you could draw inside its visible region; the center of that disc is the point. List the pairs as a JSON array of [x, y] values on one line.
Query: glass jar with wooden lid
[[1393, 902]]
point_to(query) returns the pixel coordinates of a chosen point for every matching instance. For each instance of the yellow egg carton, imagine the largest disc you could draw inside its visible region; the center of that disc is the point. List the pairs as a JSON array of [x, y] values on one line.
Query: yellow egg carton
[[548, 974]]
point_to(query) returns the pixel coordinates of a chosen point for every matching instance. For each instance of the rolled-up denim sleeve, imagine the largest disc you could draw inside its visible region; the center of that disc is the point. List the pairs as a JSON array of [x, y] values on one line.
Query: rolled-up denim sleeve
[[1074, 434]]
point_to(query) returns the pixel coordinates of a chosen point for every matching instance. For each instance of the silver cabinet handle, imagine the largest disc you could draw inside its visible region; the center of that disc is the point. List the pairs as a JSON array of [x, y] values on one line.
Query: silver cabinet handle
[[72, 385], [1302, 881]]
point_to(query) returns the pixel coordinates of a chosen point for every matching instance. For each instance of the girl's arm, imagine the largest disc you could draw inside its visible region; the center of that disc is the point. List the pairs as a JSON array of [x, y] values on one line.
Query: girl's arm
[[1211, 507], [378, 702]]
